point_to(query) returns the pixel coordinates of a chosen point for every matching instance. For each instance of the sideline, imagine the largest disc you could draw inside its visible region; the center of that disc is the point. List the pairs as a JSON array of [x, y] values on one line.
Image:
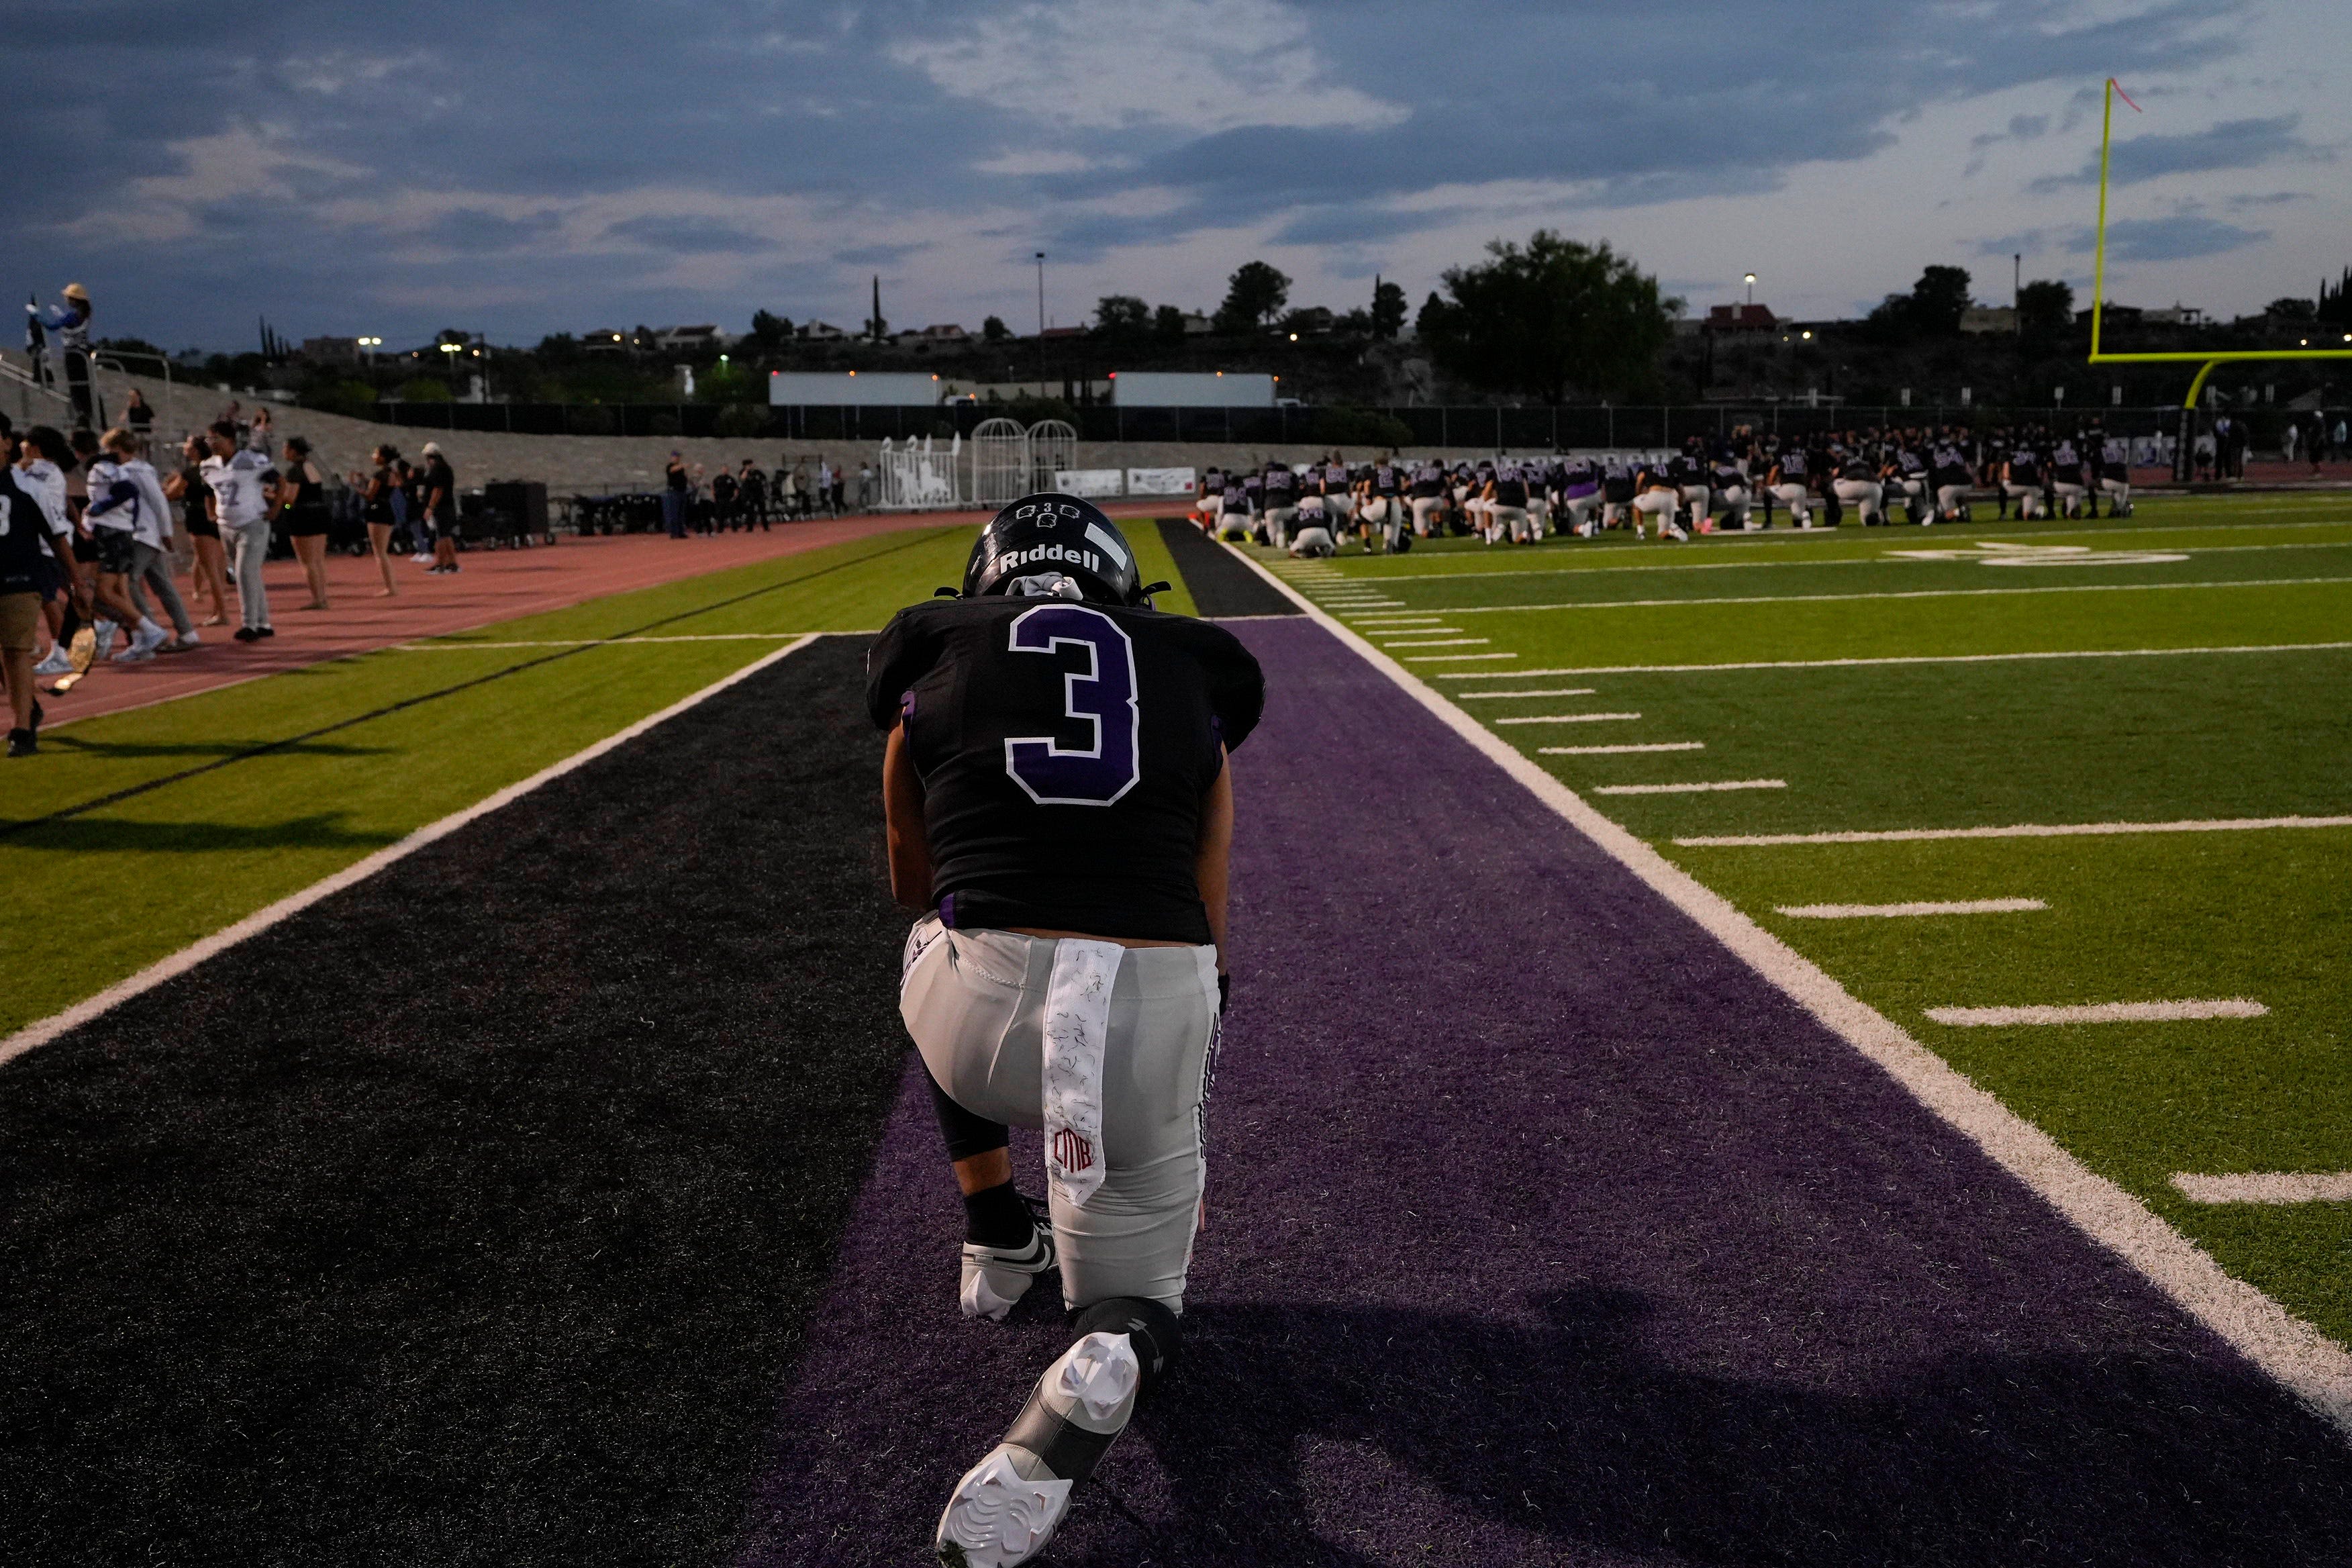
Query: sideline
[[2020, 830], [1895, 658], [1891, 594], [2313, 1367], [34, 1034]]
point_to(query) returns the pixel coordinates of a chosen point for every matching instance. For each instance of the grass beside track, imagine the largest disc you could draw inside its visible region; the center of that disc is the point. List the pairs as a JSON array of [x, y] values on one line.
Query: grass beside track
[[220, 805], [2182, 735]]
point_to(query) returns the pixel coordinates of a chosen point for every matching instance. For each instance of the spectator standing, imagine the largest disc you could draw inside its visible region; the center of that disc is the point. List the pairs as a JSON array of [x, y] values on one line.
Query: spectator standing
[[674, 486], [186, 486], [302, 512], [802, 507], [132, 483], [117, 515], [70, 322], [440, 486], [751, 491], [258, 433], [22, 569], [377, 512], [239, 478], [834, 491], [824, 481], [136, 414], [865, 486], [723, 497]]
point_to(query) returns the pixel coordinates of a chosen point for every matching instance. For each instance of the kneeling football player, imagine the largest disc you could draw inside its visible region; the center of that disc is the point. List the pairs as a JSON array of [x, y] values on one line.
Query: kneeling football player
[[1057, 802]]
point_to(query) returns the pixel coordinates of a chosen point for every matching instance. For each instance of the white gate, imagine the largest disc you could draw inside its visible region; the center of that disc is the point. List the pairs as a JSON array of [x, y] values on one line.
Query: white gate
[[999, 462], [1053, 447], [919, 477]]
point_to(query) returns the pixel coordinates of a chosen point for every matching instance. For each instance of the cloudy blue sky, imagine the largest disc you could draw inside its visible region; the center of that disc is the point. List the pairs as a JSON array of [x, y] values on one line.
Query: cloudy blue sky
[[521, 167]]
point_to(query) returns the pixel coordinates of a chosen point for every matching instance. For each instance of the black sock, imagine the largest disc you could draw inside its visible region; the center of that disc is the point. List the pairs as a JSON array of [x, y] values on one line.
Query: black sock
[[995, 1217]]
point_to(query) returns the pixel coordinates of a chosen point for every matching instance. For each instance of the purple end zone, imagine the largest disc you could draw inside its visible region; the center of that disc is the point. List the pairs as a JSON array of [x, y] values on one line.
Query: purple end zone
[[1541, 1230]]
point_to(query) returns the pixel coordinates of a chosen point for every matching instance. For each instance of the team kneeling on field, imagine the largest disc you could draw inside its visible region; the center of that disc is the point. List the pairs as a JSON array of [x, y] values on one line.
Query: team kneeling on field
[[1733, 482]]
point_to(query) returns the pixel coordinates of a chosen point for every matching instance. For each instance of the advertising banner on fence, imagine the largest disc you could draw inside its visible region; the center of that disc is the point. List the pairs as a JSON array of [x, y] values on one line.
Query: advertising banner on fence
[[1091, 483], [1160, 481]]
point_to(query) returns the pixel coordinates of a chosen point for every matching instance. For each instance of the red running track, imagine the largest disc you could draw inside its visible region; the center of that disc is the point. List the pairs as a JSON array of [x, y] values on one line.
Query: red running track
[[495, 586]]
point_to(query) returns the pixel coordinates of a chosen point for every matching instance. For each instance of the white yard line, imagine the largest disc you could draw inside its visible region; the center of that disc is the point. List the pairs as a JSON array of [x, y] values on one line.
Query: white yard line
[[1550, 692], [1566, 718], [1893, 911], [594, 642], [1456, 658], [2100, 1013], [2309, 1364], [2267, 1187], [1622, 751], [1706, 788], [2021, 830], [1438, 642], [1918, 659], [1889, 593], [40, 1034]]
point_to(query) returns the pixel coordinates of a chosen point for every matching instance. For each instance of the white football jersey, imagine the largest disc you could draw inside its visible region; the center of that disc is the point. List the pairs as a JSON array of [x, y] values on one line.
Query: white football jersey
[[237, 484]]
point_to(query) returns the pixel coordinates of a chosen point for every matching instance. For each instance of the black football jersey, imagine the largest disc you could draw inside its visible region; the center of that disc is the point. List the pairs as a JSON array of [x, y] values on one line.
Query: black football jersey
[[1064, 749]]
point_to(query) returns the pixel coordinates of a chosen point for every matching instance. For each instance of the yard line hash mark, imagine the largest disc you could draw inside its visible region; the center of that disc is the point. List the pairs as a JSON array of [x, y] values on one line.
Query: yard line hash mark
[[2021, 830], [1922, 659], [2267, 1187], [1551, 691], [2101, 1012], [1706, 788], [1567, 719], [1891, 911], [1621, 751]]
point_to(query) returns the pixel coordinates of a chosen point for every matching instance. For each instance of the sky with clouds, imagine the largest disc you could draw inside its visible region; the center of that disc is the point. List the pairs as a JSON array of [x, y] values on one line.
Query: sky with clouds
[[525, 167]]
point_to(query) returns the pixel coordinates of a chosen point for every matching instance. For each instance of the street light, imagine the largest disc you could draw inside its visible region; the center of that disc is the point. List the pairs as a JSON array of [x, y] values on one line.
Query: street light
[[1751, 288]]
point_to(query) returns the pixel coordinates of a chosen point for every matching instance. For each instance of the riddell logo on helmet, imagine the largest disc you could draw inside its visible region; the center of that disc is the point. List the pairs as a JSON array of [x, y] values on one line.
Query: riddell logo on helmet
[[1069, 556]]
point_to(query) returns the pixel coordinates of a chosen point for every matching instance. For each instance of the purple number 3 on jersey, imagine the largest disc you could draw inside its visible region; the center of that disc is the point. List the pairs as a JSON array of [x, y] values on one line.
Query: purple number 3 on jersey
[[1102, 696]]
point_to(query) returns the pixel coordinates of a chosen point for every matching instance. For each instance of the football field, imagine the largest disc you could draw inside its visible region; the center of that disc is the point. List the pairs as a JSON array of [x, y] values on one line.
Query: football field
[[2071, 802], [458, 1108]]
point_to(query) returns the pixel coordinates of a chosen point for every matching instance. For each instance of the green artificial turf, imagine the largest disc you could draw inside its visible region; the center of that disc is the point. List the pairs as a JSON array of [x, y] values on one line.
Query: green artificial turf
[[2265, 914]]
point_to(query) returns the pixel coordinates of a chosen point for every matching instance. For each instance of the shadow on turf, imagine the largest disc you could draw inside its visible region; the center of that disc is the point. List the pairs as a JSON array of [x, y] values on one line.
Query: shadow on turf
[[1390, 1425], [88, 835]]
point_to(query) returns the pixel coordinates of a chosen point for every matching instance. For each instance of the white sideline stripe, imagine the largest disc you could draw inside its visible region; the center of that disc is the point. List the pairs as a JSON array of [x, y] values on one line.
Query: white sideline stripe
[[1553, 692], [1690, 788], [41, 1033], [593, 642], [1566, 718], [1443, 642], [1889, 911], [2111, 539], [1456, 658], [2308, 1363], [2267, 1187], [1926, 658], [2100, 1013], [1888, 594], [1619, 750], [2021, 830]]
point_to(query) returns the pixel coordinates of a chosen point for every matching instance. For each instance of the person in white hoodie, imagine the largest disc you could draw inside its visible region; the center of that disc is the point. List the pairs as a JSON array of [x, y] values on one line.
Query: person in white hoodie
[[151, 534], [120, 517], [240, 479]]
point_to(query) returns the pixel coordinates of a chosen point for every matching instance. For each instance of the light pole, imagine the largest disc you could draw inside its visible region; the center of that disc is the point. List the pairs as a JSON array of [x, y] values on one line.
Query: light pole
[[1040, 323], [1751, 288]]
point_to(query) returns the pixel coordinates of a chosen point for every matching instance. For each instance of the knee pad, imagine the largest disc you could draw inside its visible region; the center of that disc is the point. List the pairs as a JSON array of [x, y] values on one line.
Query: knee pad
[[1155, 1331]]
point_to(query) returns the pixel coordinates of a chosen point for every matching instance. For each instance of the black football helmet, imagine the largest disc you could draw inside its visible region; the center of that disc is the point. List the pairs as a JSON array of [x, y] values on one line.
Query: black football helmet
[[1054, 532]]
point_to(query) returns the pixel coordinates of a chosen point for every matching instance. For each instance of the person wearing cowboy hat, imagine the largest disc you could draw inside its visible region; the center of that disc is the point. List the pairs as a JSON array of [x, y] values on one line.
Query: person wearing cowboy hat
[[70, 322]]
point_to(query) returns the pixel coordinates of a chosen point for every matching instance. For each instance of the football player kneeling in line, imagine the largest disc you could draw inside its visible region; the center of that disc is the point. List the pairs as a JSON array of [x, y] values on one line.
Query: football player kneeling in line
[[1068, 974]]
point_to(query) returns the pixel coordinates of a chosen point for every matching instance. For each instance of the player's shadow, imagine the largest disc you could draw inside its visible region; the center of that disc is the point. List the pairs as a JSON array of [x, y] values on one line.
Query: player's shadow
[[1291, 1433], [103, 834]]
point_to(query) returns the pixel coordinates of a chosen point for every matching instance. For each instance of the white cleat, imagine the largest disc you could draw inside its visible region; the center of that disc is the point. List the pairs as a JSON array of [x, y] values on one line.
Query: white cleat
[[58, 663], [1005, 1509], [995, 1277]]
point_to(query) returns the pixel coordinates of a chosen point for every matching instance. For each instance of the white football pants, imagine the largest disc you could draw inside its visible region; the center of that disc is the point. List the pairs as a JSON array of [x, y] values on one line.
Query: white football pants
[[974, 1002], [1799, 501], [1867, 497]]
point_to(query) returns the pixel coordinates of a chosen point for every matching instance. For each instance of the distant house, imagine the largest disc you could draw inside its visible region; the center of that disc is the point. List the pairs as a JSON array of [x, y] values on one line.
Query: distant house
[[1741, 319], [2113, 315], [822, 331], [2174, 315], [1984, 320], [943, 332], [706, 335], [605, 340], [1196, 323], [1065, 333]]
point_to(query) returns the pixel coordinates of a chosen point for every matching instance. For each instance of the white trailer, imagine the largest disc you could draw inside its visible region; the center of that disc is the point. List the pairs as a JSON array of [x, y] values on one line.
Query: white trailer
[[841, 389]]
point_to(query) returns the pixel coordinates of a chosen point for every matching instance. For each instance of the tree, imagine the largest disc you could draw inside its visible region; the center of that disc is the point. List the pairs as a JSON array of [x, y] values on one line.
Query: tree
[[1436, 317], [1537, 320], [2045, 309], [1121, 316], [2295, 312], [770, 334], [2336, 301], [1938, 299], [1388, 309], [994, 331], [1168, 325], [1255, 295]]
